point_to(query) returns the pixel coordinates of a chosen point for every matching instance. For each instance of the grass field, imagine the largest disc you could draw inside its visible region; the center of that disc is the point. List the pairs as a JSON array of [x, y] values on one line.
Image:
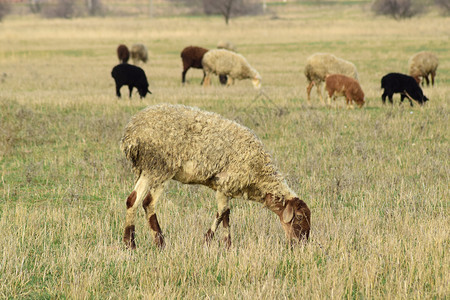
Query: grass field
[[376, 179]]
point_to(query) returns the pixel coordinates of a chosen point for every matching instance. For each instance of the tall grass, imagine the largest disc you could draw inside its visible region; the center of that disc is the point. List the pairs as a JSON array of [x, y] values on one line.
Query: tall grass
[[376, 179]]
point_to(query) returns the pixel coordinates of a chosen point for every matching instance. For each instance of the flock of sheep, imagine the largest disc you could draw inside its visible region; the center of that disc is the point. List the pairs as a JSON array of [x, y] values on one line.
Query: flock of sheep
[[192, 146], [340, 76]]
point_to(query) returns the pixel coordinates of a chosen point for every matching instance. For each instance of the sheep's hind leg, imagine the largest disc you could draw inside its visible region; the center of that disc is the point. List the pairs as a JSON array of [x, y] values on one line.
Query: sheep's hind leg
[[134, 199], [308, 91], [149, 207], [223, 214]]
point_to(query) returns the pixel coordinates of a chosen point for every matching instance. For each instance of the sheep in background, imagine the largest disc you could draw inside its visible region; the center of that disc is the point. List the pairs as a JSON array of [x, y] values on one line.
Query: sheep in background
[[341, 85], [133, 76], [191, 146], [422, 64], [139, 53], [192, 58], [123, 54], [234, 65], [319, 65], [226, 45], [406, 85]]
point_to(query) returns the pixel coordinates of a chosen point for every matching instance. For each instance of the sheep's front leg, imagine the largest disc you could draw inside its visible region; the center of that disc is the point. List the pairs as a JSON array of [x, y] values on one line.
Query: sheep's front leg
[[223, 214], [207, 79], [230, 80], [149, 207], [134, 199], [130, 87], [319, 91]]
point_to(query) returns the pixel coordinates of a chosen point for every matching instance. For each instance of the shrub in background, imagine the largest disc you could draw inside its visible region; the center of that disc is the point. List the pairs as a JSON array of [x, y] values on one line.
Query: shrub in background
[[398, 9], [5, 8]]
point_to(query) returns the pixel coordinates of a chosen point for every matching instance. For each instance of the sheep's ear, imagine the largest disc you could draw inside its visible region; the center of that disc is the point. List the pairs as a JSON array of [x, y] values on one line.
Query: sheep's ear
[[288, 213]]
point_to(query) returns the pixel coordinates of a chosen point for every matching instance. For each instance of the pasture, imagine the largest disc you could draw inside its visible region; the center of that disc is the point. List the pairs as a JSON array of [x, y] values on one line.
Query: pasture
[[376, 179]]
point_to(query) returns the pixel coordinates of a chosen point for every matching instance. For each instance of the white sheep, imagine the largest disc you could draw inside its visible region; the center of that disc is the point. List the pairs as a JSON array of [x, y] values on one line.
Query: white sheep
[[234, 65], [139, 53], [191, 146], [226, 45], [319, 65], [423, 64]]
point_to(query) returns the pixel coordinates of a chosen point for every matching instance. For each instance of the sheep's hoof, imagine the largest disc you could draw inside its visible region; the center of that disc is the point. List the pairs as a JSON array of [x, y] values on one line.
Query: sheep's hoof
[[227, 242], [209, 236]]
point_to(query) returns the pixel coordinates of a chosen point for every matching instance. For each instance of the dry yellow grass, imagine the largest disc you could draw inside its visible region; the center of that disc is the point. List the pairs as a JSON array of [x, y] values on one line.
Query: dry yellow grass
[[376, 179]]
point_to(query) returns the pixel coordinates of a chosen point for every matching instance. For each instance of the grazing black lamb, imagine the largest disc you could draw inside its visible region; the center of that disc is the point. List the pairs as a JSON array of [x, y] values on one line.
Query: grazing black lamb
[[405, 85], [125, 74]]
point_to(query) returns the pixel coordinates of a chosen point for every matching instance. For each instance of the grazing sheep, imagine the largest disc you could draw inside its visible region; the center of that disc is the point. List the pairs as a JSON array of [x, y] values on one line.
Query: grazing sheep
[[234, 65], [422, 64], [125, 74], [228, 46], [406, 85], [123, 54], [139, 53], [319, 65], [191, 146], [341, 85], [192, 58]]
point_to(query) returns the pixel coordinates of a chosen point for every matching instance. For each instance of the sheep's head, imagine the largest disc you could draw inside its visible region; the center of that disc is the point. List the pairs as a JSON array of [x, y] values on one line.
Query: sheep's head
[[295, 217], [256, 81], [143, 91], [296, 220]]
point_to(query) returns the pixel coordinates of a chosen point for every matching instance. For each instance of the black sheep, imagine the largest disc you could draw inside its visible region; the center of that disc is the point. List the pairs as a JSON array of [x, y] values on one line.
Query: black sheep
[[125, 74], [403, 84]]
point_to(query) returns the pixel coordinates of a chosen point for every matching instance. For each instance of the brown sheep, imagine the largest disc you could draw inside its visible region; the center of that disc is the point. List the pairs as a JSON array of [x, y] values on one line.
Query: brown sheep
[[423, 64], [319, 65], [123, 54], [192, 58], [341, 85]]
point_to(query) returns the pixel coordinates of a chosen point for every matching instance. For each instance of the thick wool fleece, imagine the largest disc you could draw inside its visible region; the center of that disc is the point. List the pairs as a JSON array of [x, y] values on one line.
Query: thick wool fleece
[[199, 147], [139, 53], [422, 64], [225, 62], [319, 65]]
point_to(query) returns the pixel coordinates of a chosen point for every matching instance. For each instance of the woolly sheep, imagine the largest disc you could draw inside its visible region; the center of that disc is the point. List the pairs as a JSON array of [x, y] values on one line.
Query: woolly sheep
[[191, 146], [192, 58], [234, 65], [341, 85], [319, 65], [139, 53], [423, 64], [123, 53], [226, 45]]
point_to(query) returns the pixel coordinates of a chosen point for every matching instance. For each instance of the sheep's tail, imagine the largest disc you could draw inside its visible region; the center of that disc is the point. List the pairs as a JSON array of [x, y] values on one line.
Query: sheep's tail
[[130, 149]]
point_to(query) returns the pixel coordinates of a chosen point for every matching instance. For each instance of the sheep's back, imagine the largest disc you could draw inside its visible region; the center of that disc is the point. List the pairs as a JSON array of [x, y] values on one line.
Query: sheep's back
[[220, 61], [423, 62], [166, 138], [321, 64]]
